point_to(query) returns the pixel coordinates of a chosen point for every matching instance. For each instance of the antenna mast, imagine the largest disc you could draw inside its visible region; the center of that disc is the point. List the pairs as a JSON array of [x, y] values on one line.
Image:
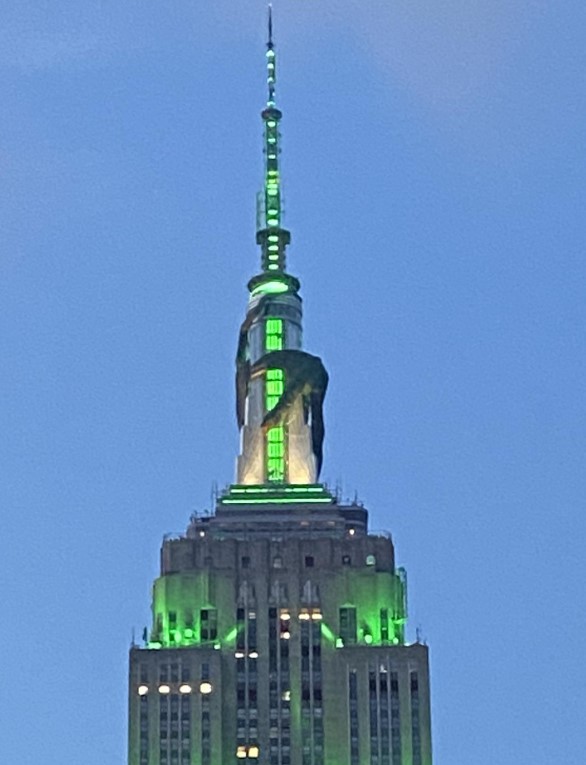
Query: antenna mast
[[272, 238]]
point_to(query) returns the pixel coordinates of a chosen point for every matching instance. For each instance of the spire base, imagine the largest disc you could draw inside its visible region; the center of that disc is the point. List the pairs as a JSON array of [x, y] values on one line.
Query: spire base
[[273, 283]]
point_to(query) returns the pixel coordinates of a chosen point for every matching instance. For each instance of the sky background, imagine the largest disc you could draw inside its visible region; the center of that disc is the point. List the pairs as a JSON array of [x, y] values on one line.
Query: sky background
[[434, 178]]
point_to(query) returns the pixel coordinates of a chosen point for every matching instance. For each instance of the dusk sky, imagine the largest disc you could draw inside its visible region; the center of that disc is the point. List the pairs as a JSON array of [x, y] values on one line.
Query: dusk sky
[[434, 174]]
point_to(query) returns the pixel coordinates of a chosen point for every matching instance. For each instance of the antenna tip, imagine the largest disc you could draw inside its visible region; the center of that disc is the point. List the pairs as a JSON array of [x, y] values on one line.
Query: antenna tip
[[270, 43]]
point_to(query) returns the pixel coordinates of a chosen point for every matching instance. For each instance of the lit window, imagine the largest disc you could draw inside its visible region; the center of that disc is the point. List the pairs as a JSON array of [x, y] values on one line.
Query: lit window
[[370, 560], [351, 532], [241, 752], [185, 688], [274, 334], [205, 688], [164, 689], [253, 752], [143, 690]]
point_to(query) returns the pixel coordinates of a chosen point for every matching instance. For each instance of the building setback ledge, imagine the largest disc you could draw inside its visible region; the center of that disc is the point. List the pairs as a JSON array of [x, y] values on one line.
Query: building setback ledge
[[277, 494]]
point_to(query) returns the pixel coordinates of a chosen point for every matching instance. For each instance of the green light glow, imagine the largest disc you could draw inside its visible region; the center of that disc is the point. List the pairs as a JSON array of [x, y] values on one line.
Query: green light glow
[[291, 489], [274, 387], [274, 342], [231, 636], [263, 494], [278, 501], [270, 288]]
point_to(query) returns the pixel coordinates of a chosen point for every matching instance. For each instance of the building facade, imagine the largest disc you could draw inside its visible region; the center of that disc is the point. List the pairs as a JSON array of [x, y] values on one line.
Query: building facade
[[278, 632]]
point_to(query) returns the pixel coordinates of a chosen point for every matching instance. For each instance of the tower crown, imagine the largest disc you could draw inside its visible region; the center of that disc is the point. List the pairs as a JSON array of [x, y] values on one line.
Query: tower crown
[[279, 387]]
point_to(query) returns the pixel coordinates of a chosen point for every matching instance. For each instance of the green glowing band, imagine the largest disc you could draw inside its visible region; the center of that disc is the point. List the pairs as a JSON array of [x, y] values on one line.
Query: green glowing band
[[272, 287]]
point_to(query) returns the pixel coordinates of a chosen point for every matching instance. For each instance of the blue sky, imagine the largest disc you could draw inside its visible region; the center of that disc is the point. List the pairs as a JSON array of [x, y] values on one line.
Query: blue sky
[[434, 178]]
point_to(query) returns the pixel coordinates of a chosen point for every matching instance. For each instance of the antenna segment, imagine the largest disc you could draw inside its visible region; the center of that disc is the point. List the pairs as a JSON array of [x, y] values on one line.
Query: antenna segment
[[270, 236]]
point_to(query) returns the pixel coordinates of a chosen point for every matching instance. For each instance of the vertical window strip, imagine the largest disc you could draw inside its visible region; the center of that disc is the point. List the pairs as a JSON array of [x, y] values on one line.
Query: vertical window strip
[[353, 717], [306, 711], [274, 690], [246, 682], [373, 710], [384, 715], [279, 687], [395, 720], [144, 730], [312, 727], [317, 693], [241, 685], [415, 726], [274, 387], [252, 676], [174, 727], [164, 728], [206, 719], [284, 688]]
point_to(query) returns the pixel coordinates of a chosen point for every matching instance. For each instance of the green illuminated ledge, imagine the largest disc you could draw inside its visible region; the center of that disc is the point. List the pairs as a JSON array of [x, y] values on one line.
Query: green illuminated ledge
[[273, 284], [276, 495]]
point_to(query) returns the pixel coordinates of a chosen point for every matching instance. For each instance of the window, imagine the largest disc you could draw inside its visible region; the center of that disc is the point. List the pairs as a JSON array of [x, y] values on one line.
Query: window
[[277, 562], [309, 561], [274, 334], [348, 625], [208, 624], [274, 387], [370, 560], [346, 560], [384, 625], [245, 561]]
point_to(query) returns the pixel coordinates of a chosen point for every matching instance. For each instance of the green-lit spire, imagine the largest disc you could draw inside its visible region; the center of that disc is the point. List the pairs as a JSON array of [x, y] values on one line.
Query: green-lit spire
[[272, 238]]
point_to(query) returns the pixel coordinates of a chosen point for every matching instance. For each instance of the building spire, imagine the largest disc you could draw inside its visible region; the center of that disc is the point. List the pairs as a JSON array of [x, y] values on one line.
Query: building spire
[[270, 24], [271, 63], [272, 238]]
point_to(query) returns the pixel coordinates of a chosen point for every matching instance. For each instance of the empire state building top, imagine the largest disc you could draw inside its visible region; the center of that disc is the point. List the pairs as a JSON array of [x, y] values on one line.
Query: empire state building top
[[279, 387]]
